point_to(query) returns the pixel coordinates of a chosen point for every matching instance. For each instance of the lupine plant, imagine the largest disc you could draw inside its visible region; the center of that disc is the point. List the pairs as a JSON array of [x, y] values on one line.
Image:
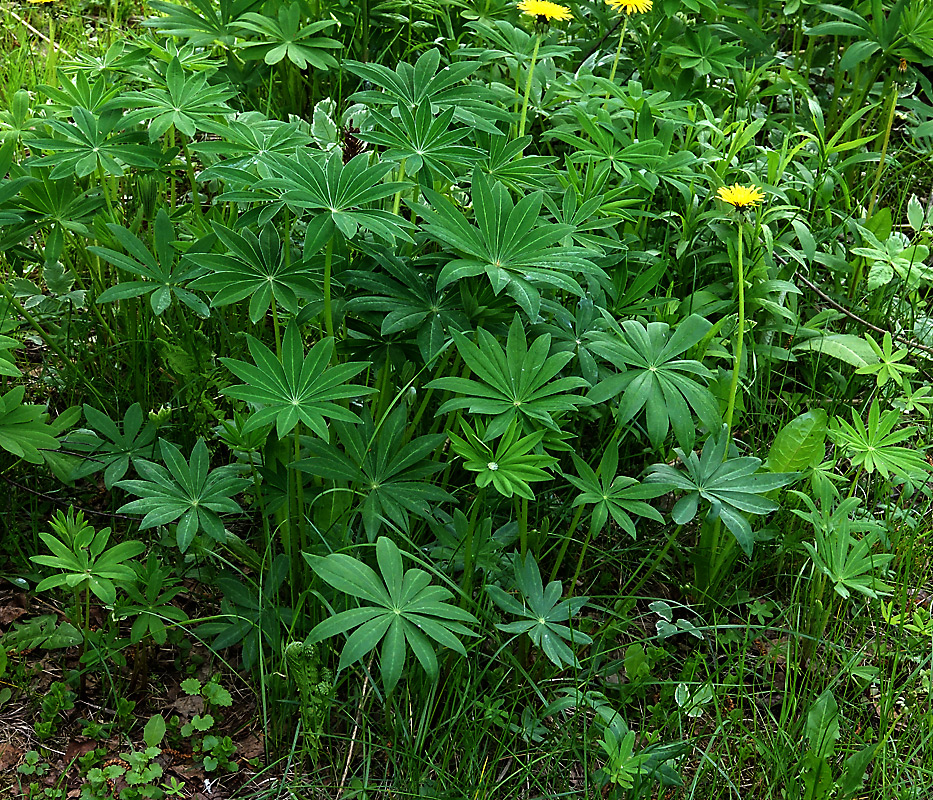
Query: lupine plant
[[432, 351]]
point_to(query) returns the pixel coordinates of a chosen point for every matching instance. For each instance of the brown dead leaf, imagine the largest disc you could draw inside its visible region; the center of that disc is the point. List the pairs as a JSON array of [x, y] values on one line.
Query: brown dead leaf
[[10, 614], [188, 706], [250, 747], [77, 748], [10, 755]]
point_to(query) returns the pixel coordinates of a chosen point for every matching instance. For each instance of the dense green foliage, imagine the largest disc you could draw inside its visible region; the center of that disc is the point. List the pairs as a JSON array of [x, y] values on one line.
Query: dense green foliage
[[536, 396]]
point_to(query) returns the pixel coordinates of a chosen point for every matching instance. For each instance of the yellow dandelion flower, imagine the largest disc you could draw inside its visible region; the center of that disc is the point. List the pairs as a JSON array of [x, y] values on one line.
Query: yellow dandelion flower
[[40, 2], [631, 6], [740, 196], [543, 8]]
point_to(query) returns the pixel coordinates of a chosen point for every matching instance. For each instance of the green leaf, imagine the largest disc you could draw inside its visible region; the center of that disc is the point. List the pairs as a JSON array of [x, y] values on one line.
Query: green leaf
[[186, 492], [403, 610], [545, 617], [800, 444], [847, 347], [389, 475], [733, 487], [510, 465], [654, 376], [515, 384], [915, 213], [853, 773], [295, 387], [24, 430], [822, 728], [154, 731]]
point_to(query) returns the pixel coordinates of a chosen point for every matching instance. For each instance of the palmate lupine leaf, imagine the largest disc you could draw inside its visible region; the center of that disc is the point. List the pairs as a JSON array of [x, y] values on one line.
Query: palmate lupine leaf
[[517, 383], [335, 194], [422, 141], [411, 85], [93, 142], [24, 428], [402, 299], [182, 102], [284, 37], [164, 275], [108, 448], [204, 25], [850, 563], [654, 376], [509, 244], [188, 492], [875, 447], [83, 558], [255, 267], [391, 476], [401, 609], [296, 387], [509, 466], [546, 616], [245, 139], [613, 495], [733, 487]]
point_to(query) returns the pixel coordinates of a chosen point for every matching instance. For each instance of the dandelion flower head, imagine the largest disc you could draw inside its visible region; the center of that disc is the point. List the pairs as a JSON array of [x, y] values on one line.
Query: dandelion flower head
[[631, 6], [544, 8], [740, 196]]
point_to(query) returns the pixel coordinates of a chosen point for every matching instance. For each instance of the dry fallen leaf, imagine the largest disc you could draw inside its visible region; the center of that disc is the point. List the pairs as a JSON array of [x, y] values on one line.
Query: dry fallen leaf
[[77, 748], [10, 755]]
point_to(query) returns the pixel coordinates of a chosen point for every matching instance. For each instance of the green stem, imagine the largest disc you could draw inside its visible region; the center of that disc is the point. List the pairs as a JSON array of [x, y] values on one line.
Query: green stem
[[567, 539], [523, 525], [397, 202], [531, 73], [172, 188], [50, 61], [884, 148], [328, 311], [276, 329], [102, 177], [189, 168], [740, 339], [615, 62], [301, 543], [478, 502]]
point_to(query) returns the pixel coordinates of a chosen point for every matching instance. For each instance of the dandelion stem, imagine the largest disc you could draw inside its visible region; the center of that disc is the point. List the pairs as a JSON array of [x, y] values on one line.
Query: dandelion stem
[[740, 336], [531, 72], [615, 62]]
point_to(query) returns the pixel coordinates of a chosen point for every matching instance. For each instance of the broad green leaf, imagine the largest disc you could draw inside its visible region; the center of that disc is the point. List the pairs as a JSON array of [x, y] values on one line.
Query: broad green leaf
[[847, 347], [800, 443]]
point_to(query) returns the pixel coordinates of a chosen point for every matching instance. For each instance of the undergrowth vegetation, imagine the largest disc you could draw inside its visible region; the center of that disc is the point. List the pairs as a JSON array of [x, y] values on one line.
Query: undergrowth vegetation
[[463, 399]]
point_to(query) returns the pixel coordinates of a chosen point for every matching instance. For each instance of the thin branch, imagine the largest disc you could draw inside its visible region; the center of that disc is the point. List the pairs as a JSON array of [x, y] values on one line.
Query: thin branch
[[38, 33], [62, 501], [855, 317]]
